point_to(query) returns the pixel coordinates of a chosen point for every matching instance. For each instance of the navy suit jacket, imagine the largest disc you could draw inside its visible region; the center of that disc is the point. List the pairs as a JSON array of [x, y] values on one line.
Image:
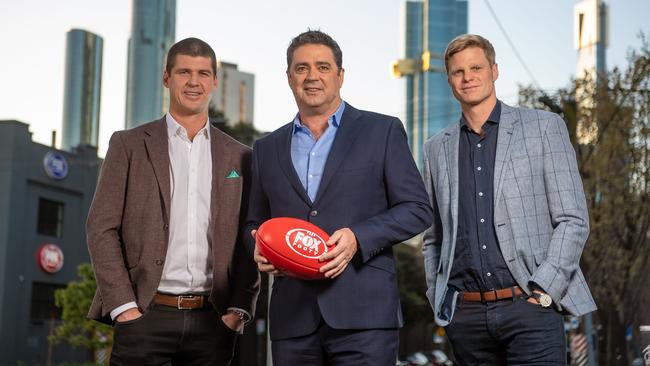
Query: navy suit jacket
[[370, 184]]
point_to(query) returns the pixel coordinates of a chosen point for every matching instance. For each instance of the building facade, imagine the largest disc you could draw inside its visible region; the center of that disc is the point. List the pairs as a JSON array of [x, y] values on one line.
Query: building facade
[[44, 199], [82, 89], [153, 31], [429, 25], [234, 98], [590, 40]]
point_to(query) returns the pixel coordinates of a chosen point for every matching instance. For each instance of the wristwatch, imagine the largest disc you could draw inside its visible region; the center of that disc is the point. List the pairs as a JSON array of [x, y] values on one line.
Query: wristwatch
[[240, 314], [543, 299]]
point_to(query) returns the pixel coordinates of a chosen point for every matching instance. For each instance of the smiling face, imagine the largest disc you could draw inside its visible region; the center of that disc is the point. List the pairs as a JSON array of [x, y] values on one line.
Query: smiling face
[[315, 80], [472, 77], [190, 82]]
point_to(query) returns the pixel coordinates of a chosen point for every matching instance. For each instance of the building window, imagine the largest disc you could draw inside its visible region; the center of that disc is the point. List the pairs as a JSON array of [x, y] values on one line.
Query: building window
[[43, 308], [50, 217]]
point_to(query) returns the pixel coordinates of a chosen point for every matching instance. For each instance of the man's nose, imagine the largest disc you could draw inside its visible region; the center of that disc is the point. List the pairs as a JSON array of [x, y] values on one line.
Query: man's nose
[[313, 74], [193, 79]]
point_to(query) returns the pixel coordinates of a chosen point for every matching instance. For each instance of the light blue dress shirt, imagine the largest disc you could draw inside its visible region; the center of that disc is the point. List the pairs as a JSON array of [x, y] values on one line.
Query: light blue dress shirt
[[308, 155]]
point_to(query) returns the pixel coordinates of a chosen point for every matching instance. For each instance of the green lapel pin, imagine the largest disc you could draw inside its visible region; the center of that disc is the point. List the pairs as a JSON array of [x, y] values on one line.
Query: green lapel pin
[[233, 174]]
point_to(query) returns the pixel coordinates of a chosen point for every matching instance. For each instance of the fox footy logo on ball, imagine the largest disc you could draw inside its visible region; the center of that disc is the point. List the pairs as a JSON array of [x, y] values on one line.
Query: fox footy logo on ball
[[306, 243]]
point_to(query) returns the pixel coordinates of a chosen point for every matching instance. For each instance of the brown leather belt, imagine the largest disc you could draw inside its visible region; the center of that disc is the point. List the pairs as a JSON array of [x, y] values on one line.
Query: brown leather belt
[[182, 302], [492, 295]]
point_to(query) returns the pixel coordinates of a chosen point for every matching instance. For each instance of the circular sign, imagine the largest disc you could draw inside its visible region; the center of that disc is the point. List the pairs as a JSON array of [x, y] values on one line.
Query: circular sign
[[50, 258], [55, 165]]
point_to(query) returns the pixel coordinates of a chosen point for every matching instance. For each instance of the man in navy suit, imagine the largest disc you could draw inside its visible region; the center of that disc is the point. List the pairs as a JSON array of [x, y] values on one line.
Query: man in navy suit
[[351, 173]]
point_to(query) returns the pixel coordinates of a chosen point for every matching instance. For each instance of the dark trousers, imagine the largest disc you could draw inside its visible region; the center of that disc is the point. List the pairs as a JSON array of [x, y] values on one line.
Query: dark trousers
[[507, 332], [168, 336], [328, 346]]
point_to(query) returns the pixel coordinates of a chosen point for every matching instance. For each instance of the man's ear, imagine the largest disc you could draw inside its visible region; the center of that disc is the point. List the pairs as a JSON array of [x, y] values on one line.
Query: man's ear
[[165, 79]]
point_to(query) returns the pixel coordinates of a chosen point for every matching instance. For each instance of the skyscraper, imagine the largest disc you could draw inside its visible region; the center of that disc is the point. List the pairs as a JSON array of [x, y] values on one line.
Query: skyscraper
[[153, 31], [234, 96], [590, 40], [82, 90], [430, 105]]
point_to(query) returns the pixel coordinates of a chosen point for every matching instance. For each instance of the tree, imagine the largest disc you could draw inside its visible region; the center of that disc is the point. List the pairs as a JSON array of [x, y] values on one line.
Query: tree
[[615, 168], [76, 329]]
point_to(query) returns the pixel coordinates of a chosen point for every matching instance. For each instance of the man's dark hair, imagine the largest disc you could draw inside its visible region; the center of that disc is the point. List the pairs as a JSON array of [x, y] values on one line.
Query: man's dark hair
[[315, 37], [191, 47]]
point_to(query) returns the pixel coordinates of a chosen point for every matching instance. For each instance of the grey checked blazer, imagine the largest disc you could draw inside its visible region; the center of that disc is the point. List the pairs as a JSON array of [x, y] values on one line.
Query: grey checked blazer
[[540, 212]]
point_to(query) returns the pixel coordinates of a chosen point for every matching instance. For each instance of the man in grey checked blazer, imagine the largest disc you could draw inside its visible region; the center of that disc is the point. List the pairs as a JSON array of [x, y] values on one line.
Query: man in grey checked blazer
[[510, 222]]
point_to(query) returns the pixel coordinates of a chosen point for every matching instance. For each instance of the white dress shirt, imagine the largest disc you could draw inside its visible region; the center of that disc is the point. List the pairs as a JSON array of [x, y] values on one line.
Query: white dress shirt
[[188, 264]]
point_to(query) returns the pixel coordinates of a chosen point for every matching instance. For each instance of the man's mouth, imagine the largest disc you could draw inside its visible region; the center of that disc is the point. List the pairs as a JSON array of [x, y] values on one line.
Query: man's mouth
[[192, 94]]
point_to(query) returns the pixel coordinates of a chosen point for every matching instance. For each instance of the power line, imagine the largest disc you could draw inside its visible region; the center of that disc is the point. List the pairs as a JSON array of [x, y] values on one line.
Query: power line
[[512, 45]]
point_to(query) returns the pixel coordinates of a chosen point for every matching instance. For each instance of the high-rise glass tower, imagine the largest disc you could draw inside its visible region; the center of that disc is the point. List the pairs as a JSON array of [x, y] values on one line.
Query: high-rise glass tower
[[82, 94], [430, 105], [153, 30]]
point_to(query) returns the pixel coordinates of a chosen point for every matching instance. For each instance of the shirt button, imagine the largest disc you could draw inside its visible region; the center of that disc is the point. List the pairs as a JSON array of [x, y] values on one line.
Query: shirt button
[[159, 262], [313, 154], [489, 274], [482, 220], [165, 227], [480, 194], [311, 175], [478, 145], [313, 213], [484, 247], [479, 169]]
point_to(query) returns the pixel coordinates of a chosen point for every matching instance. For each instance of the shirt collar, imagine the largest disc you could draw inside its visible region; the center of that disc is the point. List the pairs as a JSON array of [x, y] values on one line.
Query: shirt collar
[[494, 117], [174, 128], [334, 120]]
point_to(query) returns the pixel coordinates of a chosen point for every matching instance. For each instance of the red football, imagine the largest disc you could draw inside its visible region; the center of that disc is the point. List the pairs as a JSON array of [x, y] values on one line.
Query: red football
[[293, 246]]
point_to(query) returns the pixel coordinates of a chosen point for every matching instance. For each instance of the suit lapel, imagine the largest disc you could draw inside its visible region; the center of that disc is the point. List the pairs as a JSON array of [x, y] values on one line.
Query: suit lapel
[[347, 132], [284, 157], [156, 143], [507, 127], [451, 153], [225, 198]]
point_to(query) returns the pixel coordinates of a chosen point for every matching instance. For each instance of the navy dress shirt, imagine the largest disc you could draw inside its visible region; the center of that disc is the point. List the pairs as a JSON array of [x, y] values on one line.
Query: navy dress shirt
[[478, 262]]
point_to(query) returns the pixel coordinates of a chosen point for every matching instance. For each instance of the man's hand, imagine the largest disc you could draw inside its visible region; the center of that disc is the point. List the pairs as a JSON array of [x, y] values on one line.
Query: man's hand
[[341, 255], [533, 300], [130, 314], [263, 264], [232, 321]]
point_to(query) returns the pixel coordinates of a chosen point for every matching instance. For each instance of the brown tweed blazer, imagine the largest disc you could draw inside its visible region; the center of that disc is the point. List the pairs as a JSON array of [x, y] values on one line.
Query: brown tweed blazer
[[128, 222]]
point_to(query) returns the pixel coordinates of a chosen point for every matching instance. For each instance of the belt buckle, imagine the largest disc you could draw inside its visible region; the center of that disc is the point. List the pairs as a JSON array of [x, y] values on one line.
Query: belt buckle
[[179, 301]]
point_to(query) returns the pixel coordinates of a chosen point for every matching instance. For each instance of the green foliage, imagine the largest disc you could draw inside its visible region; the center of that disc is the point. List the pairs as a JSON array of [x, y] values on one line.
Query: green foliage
[[76, 329], [243, 132], [412, 284], [615, 167]]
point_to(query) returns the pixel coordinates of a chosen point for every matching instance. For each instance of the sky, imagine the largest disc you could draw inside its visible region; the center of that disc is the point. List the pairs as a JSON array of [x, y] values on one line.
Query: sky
[[255, 34]]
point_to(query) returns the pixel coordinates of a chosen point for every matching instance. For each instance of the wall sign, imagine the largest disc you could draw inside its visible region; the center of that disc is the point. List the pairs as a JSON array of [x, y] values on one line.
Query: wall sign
[[55, 165], [50, 258]]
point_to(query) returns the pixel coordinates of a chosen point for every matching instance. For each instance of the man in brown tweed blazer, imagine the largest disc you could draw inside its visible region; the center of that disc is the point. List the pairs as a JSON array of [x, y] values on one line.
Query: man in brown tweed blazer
[[163, 229]]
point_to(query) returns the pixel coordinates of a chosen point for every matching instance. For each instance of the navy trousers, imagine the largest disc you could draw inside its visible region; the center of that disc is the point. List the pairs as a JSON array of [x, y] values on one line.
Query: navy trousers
[[337, 347], [507, 332]]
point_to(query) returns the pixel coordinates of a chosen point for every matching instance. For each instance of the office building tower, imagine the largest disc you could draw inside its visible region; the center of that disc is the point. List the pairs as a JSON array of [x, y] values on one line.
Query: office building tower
[[590, 40], [153, 31], [234, 96], [82, 93], [430, 105]]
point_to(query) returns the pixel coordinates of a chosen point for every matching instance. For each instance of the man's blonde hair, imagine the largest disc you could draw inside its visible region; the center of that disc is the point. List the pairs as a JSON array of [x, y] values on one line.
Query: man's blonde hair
[[466, 41]]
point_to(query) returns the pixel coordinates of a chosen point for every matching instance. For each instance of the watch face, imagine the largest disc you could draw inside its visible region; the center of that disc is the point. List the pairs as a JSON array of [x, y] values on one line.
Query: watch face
[[545, 300]]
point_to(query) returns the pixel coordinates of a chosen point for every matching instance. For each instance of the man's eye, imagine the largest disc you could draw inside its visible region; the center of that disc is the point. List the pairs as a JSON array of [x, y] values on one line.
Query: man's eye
[[476, 68], [323, 68], [301, 69]]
